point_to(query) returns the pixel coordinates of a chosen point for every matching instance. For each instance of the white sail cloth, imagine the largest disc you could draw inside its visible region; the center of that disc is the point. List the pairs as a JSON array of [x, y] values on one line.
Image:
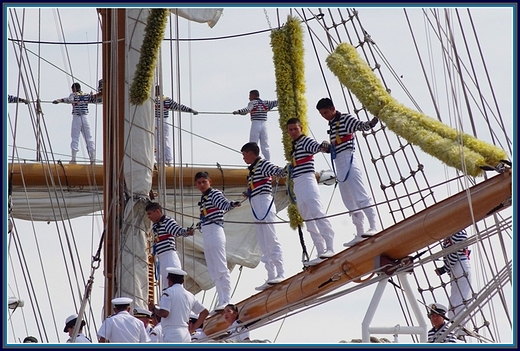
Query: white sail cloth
[[204, 15]]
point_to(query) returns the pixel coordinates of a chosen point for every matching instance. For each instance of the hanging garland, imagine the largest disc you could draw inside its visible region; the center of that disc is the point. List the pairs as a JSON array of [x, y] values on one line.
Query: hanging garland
[[143, 76], [454, 148], [289, 67]]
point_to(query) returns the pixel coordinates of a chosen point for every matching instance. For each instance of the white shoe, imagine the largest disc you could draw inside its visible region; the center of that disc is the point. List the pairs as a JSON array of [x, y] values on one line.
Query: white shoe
[[262, 287], [169, 164], [275, 280], [327, 254], [313, 262], [371, 232], [72, 162], [352, 242]]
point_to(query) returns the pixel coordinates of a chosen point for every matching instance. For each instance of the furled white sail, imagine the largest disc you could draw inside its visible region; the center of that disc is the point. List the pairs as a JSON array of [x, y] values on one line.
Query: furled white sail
[[132, 269], [204, 15]]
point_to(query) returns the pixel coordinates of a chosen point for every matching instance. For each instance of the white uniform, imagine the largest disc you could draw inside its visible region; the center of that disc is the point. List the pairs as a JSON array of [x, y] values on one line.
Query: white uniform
[[179, 303], [156, 334], [198, 334], [238, 333], [80, 124], [348, 172], [80, 339], [123, 327]]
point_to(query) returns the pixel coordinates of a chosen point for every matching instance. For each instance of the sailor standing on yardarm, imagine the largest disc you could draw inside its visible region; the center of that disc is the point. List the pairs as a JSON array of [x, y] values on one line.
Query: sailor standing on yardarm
[[258, 109], [80, 124]]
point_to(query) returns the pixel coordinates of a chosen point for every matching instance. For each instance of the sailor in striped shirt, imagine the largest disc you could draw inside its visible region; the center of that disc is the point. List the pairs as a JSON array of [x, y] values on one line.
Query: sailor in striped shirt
[[165, 230], [167, 105], [80, 124], [342, 127], [11, 99], [306, 190], [212, 206], [258, 109], [436, 314], [457, 265], [261, 199]]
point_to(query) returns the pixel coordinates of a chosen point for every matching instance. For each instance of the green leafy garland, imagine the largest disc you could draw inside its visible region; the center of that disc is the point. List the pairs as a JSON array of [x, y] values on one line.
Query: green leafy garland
[[454, 148], [288, 57], [143, 76]]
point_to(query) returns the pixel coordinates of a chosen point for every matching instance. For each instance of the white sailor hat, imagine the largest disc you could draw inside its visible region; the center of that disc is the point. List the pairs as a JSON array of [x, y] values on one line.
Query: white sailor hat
[[436, 308], [142, 313], [176, 271], [69, 319], [121, 301], [194, 316]]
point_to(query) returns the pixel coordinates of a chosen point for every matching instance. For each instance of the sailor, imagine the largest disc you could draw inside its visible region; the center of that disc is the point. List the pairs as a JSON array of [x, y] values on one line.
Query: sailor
[[11, 99], [260, 196], [168, 105], [236, 332], [122, 326], [437, 313], [342, 127], [198, 333], [144, 316], [307, 192], [156, 334], [165, 230], [70, 324], [212, 206], [174, 309], [80, 124], [258, 109]]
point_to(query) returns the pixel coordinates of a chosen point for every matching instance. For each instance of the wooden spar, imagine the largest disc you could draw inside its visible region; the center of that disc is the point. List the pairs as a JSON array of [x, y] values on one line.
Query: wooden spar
[[399, 241], [78, 175]]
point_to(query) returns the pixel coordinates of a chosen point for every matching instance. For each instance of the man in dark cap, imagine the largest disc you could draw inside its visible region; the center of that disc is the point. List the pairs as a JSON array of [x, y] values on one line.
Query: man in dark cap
[[70, 324]]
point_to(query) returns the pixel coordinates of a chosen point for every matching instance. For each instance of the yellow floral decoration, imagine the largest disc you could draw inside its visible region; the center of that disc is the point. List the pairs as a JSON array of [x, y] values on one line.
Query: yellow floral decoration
[[143, 76], [454, 148], [289, 67]]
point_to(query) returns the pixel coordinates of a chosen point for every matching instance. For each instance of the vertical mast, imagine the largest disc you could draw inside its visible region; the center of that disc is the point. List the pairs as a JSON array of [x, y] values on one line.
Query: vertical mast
[[113, 53]]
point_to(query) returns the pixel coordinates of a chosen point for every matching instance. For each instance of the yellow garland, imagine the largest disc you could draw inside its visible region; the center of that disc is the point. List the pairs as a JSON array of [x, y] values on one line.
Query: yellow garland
[[143, 76], [289, 67], [431, 135]]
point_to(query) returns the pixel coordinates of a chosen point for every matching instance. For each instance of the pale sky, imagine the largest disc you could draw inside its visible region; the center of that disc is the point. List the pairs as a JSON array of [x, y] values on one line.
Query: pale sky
[[216, 76]]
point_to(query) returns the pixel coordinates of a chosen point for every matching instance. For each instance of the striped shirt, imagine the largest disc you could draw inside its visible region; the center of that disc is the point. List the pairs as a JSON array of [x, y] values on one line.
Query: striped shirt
[[302, 154], [212, 206], [165, 232], [259, 178], [79, 101], [343, 125], [169, 105], [258, 109], [434, 334], [11, 99], [462, 254]]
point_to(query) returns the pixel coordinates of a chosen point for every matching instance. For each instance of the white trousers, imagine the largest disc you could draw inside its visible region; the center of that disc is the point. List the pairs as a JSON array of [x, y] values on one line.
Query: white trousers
[[460, 287], [353, 191], [310, 207], [167, 259], [158, 141], [215, 255], [175, 334], [258, 134], [79, 126], [266, 235]]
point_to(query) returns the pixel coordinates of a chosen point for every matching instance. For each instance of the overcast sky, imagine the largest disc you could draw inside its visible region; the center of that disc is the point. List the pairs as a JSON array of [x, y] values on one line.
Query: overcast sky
[[216, 76]]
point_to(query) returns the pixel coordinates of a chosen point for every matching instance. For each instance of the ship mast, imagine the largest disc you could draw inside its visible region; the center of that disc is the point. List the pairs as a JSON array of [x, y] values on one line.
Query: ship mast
[[113, 58]]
